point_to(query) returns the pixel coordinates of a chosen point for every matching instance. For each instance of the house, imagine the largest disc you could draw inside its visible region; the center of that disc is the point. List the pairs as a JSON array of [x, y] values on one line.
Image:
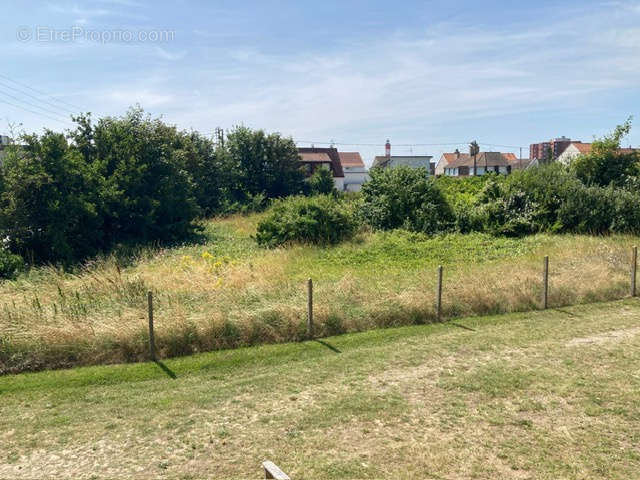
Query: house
[[576, 149], [458, 164], [413, 161], [313, 158], [355, 173], [573, 150], [448, 158]]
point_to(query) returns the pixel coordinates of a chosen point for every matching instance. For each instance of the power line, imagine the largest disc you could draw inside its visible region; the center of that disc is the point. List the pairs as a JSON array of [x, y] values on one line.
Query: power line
[[406, 144], [30, 104], [382, 144], [37, 99], [36, 113], [503, 146], [75, 107]]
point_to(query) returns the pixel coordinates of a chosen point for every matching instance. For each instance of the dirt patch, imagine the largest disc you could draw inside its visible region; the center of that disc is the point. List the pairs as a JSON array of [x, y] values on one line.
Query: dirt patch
[[612, 336]]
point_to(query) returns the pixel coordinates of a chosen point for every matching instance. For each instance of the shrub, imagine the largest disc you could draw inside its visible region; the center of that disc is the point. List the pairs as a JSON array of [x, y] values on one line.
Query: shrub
[[321, 182], [606, 164], [514, 214], [321, 220], [10, 264], [406, 198]]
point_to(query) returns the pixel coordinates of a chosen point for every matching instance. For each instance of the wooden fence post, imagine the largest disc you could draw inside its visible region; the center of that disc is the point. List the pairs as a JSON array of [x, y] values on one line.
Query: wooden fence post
[[634, 268], [271, 470], [439, 295], [545, 288], [310, 308], [152, 340]]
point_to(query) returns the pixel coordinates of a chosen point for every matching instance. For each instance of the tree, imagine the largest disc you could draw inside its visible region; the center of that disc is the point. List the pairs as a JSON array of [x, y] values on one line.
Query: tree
[[206, 164], [146, 195], [263, 164], [606, 164], [50, 201], [321, 182]]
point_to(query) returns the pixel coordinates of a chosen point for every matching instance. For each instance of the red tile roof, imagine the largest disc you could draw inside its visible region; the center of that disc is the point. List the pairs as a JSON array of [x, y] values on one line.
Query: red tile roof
[[450, 157], [317, 155], [489, 159], [351, 159], [314, 157], [582, 147]]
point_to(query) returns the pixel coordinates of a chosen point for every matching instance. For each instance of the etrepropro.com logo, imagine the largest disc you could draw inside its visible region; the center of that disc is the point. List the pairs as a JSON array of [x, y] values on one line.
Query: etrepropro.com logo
[[78, 33]]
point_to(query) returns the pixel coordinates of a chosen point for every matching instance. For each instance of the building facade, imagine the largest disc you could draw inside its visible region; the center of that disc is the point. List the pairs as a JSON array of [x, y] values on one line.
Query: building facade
[[355, 173], [549, 151], [413, 161], [464, 165], [313, 158]]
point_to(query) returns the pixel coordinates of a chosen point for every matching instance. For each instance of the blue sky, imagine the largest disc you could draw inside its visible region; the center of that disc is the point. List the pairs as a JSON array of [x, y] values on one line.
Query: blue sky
[[431, 72]]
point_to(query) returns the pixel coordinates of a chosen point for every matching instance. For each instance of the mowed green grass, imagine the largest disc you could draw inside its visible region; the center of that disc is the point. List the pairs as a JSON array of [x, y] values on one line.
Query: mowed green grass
[[552, 394]]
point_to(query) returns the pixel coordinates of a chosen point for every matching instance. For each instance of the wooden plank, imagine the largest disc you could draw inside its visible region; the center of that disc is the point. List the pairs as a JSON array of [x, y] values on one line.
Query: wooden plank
[[545, 279], [310, 308], [152, 340], [439, 294], [634, 268], [271, 470]]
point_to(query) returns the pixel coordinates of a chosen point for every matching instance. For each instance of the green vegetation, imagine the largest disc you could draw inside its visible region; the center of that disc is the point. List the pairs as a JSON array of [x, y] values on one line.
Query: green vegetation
[[321, 182], [542, 395], [321, 220], [227, 291], [133, 181], [404, 198], [10, 264], [126, 183]]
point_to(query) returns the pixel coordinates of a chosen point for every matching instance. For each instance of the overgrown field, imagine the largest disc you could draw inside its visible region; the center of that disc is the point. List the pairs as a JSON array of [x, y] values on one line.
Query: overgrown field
[[228, 292], [541, 395]]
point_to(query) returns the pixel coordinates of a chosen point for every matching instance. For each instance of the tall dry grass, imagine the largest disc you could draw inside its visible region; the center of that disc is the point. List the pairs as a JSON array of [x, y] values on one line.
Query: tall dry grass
[[206, 301]]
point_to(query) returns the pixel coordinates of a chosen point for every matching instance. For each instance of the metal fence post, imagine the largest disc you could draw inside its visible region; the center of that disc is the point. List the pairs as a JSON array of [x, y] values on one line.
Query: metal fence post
[[310, 308], [152, 340], [439, 295], [545, 291]]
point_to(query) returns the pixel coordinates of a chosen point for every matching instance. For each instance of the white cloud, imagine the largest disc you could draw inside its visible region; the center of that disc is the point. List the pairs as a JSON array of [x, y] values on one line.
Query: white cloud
[[399, 82], [167, 55]]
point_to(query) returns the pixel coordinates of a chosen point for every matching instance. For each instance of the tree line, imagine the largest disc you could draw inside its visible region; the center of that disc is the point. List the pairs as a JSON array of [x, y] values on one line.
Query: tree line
[[598, 193], [132, 179]]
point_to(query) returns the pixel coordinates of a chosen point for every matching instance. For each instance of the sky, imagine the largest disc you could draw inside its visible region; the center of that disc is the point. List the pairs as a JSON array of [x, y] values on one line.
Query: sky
[[430, 76]]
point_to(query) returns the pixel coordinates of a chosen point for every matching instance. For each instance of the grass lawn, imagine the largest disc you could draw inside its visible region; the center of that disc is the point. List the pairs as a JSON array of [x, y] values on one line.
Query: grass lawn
[[552, 394], [227, 292]]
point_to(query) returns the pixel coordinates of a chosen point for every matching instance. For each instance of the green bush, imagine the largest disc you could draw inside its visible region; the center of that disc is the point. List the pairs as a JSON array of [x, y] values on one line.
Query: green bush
[[10, 264], [405, 198], [322, 219], [321, 182]]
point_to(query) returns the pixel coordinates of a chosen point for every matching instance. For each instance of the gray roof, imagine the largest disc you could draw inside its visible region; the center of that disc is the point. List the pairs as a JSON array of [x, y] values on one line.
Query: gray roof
[[382, 160]]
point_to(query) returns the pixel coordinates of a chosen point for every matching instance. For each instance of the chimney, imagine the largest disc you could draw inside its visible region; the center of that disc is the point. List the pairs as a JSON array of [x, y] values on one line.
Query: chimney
[[387, 149], [457, 154]]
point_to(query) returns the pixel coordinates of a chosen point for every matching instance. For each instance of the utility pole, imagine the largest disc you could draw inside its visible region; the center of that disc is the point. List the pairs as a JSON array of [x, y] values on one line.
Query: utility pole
[[520, 158]]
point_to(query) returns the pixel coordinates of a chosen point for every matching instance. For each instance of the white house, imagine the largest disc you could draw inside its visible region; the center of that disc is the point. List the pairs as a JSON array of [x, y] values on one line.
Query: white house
[[574, 150], [355, 173], [463, 165]]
